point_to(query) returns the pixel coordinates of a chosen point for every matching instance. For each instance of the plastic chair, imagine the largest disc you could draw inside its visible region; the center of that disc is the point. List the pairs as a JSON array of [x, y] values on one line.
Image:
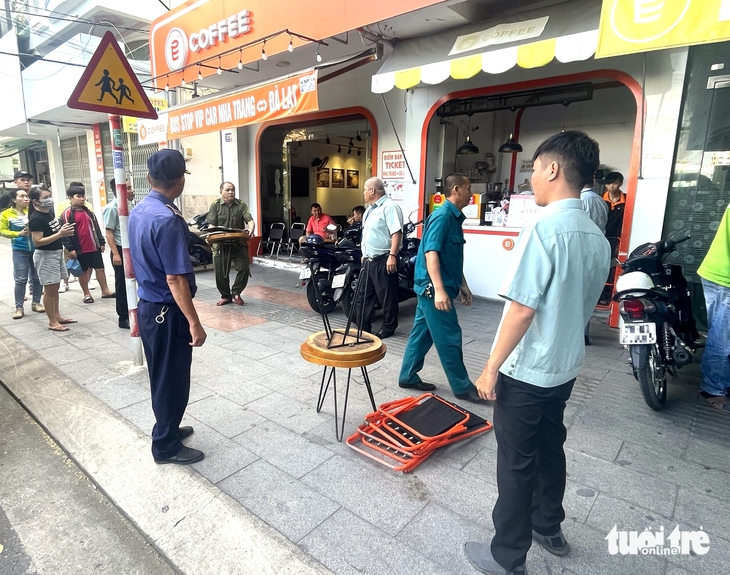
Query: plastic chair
[[297, 230], [275, 239]]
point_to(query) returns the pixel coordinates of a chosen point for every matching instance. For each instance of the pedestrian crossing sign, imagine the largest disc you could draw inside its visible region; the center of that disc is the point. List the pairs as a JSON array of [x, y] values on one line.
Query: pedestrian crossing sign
[[109, 85]]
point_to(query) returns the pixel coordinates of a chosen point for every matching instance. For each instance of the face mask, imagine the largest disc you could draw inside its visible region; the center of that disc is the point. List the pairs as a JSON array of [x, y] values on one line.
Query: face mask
[[46, 203]]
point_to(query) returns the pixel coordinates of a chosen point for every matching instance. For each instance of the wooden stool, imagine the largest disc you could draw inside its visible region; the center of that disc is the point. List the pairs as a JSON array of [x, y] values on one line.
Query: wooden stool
[[343, 351]]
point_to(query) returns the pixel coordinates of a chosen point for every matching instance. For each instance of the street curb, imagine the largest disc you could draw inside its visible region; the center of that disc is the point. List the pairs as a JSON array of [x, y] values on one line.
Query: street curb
[[197, 527]]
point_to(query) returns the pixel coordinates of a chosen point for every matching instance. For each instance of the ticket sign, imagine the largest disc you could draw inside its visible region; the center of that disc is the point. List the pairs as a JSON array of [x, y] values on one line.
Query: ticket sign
[[279, 99], [109, 85], [394, 166], [629, 26]]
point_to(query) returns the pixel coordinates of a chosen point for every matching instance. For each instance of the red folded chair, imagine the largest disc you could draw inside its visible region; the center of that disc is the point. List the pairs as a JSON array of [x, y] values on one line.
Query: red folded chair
[[403, 433]]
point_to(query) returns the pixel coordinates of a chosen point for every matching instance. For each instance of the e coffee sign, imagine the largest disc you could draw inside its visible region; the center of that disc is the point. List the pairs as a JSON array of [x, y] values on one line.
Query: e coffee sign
[[178, 45]]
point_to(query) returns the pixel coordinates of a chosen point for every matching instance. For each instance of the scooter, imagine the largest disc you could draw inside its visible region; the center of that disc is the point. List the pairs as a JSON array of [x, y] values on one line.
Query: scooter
[[319, 268], [656, 323], [200, 252]]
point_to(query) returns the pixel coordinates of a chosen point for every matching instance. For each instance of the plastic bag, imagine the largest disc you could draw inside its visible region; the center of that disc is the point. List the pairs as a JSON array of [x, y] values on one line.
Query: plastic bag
[[74, 267]]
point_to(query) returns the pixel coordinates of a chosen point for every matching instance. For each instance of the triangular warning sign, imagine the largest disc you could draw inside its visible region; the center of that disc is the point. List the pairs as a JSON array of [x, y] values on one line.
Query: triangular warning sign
[[109, 85]]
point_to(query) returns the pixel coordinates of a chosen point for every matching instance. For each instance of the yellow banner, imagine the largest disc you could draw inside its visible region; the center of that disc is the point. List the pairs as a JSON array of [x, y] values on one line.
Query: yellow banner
[[630, 26], [129, 124]]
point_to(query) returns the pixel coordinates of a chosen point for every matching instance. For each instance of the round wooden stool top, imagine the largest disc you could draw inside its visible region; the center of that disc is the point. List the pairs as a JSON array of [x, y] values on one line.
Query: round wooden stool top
[[314, 350], [216, 237]]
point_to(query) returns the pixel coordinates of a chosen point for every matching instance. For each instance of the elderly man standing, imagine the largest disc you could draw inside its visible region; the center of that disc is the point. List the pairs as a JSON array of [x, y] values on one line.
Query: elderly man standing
[[439, 278], [230, 212], [168, 322], [114, 241], [382, 235]]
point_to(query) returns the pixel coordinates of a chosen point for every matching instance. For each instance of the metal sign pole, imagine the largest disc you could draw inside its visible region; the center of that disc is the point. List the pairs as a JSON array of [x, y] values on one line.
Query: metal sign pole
[[115, 124]]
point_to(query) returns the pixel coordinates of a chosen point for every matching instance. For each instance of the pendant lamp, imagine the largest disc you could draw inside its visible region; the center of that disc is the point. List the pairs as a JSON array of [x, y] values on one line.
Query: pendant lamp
[[511, 146], [468, 147]]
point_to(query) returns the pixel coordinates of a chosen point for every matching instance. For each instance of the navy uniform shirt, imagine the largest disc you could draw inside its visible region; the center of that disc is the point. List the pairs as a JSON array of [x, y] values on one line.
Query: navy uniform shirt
[[158, 242], [443, 234]]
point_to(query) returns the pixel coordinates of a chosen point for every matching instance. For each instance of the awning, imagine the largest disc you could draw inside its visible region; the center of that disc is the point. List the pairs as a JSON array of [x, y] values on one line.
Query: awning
[[12, 146], [567, 32]]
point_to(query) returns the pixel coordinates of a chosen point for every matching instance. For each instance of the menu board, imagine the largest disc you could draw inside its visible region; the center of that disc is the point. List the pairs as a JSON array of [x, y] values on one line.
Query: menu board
[[521, 210]]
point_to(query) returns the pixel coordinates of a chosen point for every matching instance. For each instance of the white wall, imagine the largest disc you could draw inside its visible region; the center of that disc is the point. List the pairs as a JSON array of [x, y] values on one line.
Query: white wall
[[12, 90], [202, 186]]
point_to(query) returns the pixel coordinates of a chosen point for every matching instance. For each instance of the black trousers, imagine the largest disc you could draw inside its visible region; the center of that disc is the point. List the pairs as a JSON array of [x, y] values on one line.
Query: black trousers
[[120, 287], [383, 288], [166, 338], [528, 424]]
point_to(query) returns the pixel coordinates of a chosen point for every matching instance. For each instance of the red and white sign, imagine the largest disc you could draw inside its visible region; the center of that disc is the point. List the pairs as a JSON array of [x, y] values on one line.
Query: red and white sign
[[394, 166]]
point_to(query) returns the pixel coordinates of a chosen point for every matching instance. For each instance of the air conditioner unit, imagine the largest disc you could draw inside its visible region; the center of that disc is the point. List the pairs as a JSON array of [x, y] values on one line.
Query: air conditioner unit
[[188, 153]]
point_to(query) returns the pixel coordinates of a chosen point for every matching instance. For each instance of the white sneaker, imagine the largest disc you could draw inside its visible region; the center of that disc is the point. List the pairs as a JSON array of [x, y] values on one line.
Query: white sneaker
[[71, 279], [62, 288]]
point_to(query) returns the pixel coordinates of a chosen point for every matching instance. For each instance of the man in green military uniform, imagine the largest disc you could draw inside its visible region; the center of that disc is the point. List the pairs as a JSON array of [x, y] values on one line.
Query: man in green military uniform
[[438, 279], [230, 212]]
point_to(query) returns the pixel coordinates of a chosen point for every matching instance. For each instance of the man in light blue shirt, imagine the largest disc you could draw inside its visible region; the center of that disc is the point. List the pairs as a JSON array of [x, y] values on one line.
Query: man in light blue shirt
[[552, 285]]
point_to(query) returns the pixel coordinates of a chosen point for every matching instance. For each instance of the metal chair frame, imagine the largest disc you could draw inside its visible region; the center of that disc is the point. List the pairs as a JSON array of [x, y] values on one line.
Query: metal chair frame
[[297, 230], [275, 239]]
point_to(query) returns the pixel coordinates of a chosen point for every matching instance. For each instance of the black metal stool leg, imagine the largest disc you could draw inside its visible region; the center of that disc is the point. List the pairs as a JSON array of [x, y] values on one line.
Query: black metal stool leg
[[323, 388], [366, 378]]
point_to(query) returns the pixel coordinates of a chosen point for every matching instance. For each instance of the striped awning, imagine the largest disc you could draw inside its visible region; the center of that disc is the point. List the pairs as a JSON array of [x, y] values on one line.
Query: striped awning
[[566, 32]]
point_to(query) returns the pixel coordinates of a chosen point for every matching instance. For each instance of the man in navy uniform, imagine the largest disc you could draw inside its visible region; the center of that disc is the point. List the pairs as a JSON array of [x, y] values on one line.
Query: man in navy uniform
[[168, 323]]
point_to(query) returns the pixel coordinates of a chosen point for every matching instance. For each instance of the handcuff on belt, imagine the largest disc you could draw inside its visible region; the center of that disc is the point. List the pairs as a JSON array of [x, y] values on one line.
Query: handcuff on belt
[[161, 317]]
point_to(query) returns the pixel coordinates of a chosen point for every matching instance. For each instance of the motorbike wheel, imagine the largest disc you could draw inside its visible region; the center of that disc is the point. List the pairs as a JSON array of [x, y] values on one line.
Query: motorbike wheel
[[200, 257], [347, 300], [328, 302], [653, 380]]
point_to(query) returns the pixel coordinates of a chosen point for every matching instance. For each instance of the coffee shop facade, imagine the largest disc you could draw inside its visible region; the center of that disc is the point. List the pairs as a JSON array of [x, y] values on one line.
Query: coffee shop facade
[[404, 113]]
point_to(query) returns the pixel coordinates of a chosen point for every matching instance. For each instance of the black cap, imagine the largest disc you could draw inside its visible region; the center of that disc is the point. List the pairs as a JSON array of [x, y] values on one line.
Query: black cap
[[166, 165], [22, 174]]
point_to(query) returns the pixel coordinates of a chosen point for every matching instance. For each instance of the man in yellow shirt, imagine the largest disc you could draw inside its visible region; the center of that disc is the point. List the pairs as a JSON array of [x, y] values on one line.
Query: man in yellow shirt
[[715, 274]]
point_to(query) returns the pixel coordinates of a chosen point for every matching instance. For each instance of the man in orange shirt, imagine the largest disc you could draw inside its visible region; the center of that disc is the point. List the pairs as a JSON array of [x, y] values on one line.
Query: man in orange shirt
[[317, 224]]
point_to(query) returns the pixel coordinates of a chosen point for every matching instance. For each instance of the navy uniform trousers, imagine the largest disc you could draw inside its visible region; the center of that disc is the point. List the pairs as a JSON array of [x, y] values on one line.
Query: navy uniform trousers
[[439, 328], [528, 425], [169, 356]]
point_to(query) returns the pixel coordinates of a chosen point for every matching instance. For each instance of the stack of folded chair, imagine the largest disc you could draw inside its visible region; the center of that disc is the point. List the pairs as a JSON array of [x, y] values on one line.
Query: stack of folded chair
[[403, 433]]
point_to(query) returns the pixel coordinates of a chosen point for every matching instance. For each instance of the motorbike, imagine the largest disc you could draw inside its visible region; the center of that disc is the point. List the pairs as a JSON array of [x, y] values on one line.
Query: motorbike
[[656, 323], [319, 268], [347, 275], [200, 252]]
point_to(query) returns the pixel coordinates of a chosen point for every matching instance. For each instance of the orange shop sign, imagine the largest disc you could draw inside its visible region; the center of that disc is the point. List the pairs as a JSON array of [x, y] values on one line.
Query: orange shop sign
[[203, 30], [279, 99]]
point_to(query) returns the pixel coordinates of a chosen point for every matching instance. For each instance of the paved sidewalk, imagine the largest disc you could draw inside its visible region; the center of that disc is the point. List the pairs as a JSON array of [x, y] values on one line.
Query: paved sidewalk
[[253, 408]]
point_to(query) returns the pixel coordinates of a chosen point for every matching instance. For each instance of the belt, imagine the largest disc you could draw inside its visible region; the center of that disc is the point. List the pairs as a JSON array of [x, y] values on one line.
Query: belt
[[378, 258]]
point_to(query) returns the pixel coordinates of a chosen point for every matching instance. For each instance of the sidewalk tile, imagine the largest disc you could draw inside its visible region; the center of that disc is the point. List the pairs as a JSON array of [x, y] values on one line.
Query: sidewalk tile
[[238, 390], [608, 511], [223, 456], [348, 545], [620, 481], [372, 492], [709, 513], [708, 454], [285, 503], [290, 413], [223, 415], [249, 349], [451, 530], [592, 441], [283, 448], [675, 470]]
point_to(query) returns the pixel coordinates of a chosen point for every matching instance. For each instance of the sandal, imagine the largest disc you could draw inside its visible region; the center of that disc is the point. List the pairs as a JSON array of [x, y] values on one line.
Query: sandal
[[224, 301], [67, 321], [88, 299], [719, 402], [237, 300], [59, 328], [111, 295]]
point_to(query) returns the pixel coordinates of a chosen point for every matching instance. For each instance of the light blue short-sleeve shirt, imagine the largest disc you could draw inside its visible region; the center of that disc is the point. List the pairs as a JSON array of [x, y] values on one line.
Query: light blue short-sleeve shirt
[[380, 221], [558, 269], [111, 220]]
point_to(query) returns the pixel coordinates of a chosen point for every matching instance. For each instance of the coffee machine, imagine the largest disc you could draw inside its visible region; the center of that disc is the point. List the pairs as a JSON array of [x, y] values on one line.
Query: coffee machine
[[494, 192]]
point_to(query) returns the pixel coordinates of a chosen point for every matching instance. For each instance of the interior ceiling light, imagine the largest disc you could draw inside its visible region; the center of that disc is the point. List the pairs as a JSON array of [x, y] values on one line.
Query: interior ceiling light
[[291, 44], [511, 146], [468, 147], [349, 150], [240, 59], [263, 51], [219, 71], [183, 83], [359, 137], [350, 144], [167, 83], [358, 151], [339, 149]]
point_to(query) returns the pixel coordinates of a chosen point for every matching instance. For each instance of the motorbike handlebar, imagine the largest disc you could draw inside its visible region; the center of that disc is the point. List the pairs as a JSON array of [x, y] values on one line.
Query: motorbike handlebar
[[670, 243]]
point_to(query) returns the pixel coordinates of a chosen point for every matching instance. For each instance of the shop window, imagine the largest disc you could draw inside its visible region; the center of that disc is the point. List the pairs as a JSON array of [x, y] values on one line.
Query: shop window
[[700, 185]]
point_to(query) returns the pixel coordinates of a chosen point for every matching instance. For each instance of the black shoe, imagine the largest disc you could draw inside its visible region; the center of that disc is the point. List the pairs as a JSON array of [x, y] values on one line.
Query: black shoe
[[124, 323], [555, 544], [587, 340], [185, 431], [420, 386], [185, 456], [470, 395], [384, 334]]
